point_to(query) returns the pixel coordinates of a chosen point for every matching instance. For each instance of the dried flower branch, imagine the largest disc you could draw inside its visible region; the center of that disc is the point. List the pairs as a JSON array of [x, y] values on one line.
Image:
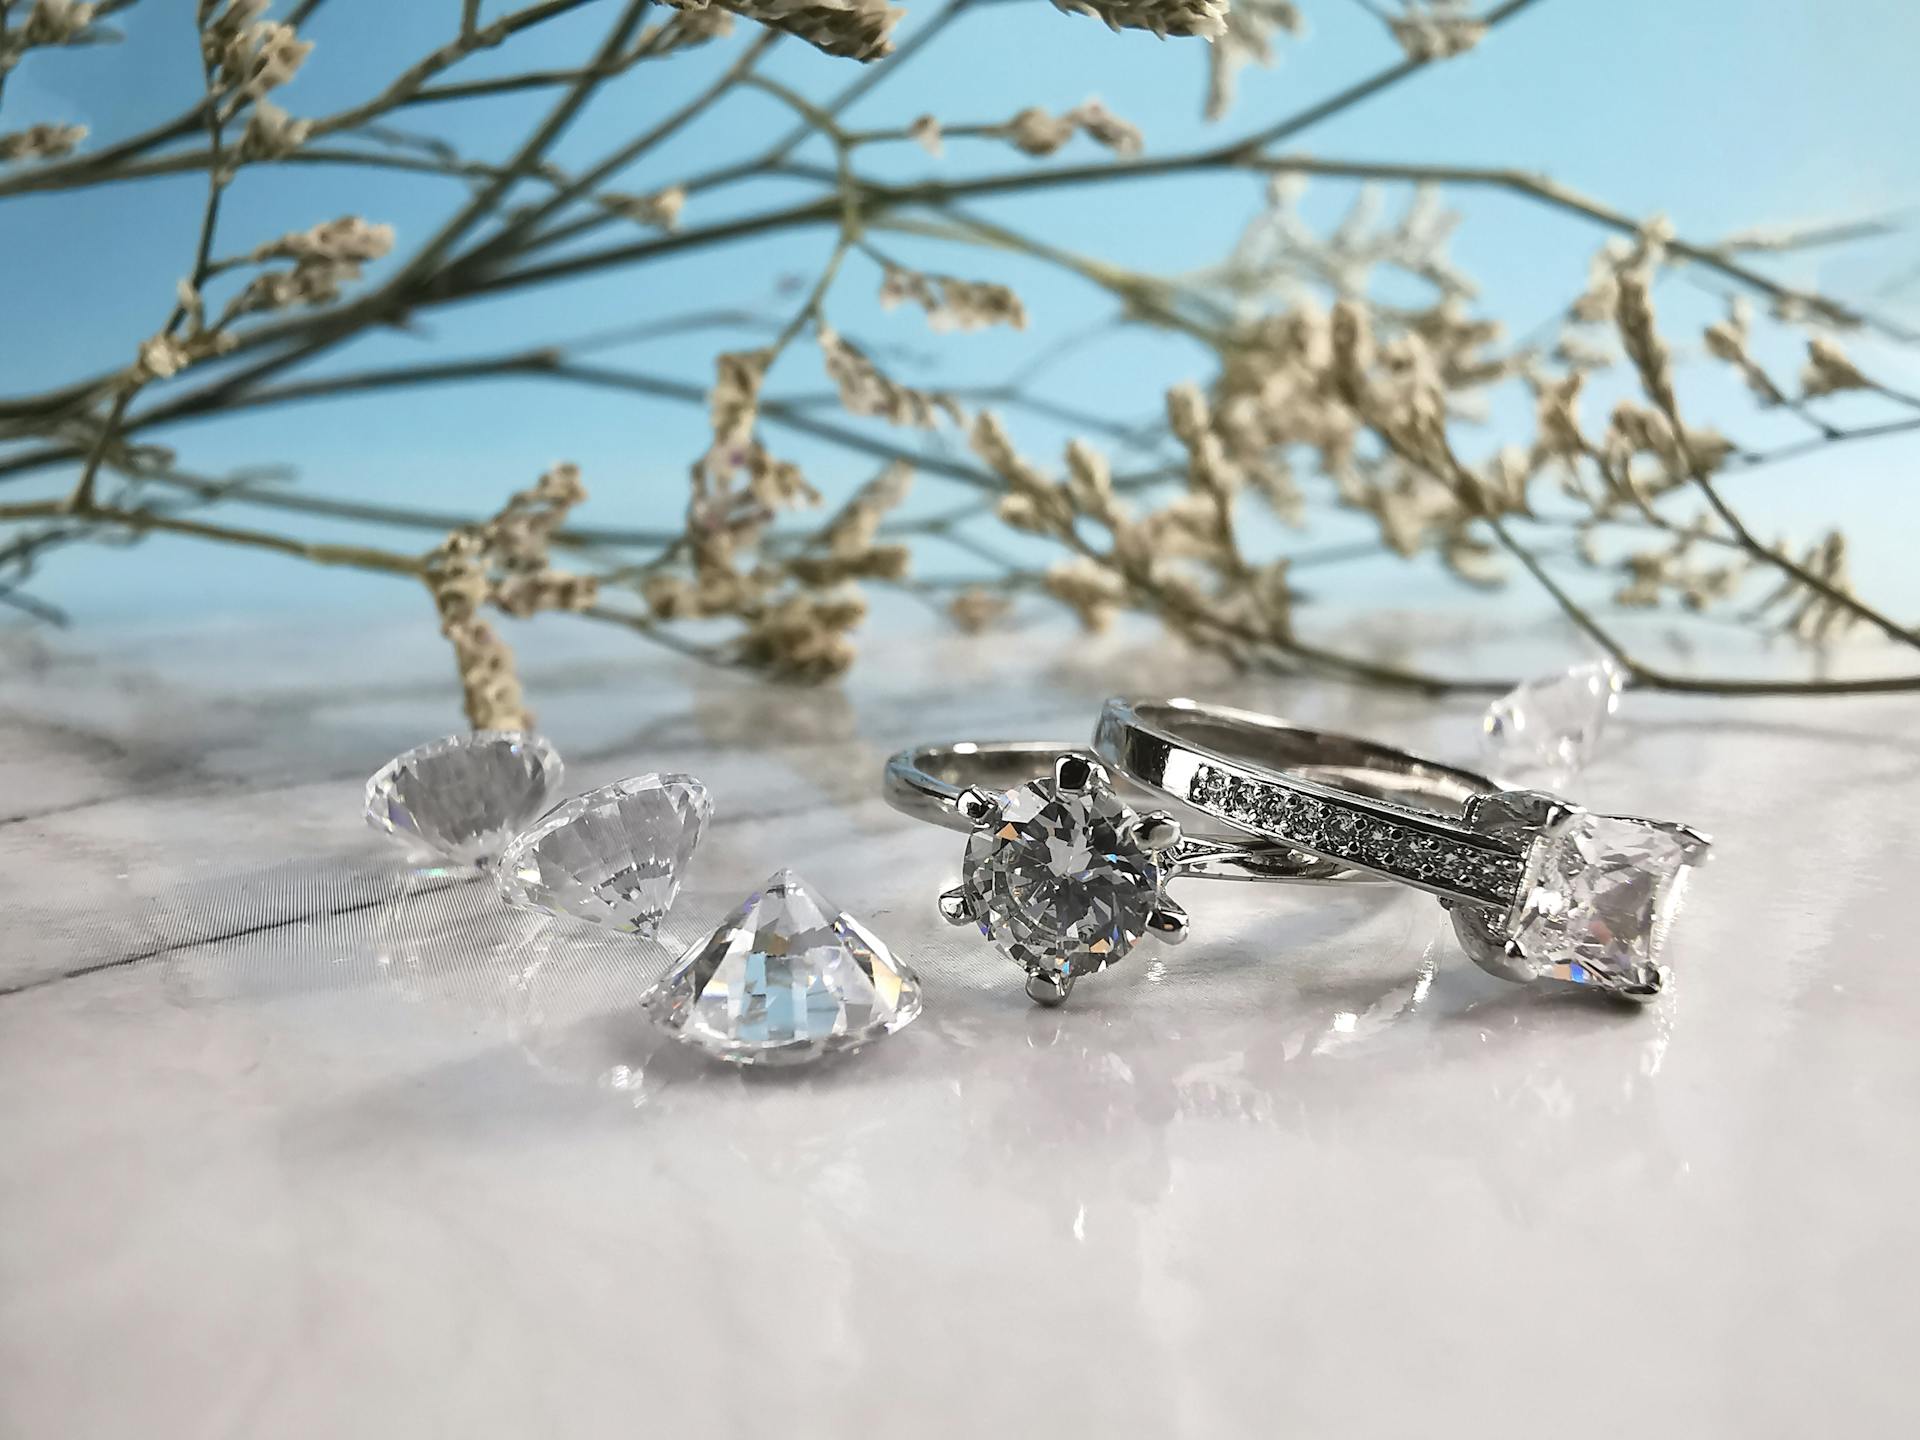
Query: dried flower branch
[[1352, 368]]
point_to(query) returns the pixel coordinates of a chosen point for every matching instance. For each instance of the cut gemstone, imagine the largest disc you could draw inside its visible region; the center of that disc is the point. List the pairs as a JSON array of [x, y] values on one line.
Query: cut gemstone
[[1060, 884], [1597, 898], [1550, 727], [466, 796], [613, 856], [785, 979]]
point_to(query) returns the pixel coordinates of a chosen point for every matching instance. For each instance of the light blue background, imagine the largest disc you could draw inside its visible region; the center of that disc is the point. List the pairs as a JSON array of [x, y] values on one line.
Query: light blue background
[[1723, 114]]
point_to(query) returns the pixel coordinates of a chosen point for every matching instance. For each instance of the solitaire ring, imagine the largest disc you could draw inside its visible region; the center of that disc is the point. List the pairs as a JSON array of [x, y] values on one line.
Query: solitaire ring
[[1538, 888], [1063, 872]]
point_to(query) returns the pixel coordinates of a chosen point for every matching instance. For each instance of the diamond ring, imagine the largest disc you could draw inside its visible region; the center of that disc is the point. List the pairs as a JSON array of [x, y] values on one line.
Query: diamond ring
[[1062, 871], [1538, 888]]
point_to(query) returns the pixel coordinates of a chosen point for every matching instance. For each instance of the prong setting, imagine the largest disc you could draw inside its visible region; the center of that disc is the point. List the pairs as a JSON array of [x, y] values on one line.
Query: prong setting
[[1076, 774], [980, 808], [1169, 923], [1157, 831], [1049, 987], [955, 907]]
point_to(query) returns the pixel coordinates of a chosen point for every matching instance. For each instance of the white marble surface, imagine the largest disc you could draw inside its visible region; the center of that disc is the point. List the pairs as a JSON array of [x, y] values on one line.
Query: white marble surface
[[294, 1142]]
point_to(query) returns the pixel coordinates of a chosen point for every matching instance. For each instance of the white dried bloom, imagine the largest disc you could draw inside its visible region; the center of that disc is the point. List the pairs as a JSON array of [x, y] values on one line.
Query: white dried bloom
[[159, 358], [1033, 502], [852, 531], [1035, 132], [325, 258], [1728, 340], [856, 29], [951, 303], [660, 210], [272, 134], [866, 390], [925, 131], [1828, 370], [1640, 336], [805, 635], [1205, 18], [252, 55], [1089, 589], [975, 609], [1437, 29], [1103, 127], [40, 142], [349, 240], [55, 22], [1246, 40]]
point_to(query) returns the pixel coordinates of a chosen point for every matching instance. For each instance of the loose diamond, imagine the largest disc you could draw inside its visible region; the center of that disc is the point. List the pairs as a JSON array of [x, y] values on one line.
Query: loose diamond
[[784, 980], [1060, 884], [1598, 894], [613, 856], [1549, 727], [466, 796]]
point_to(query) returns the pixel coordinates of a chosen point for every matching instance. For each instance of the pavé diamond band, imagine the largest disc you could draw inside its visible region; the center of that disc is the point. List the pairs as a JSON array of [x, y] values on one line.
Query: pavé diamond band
[[1064, 873], [1538, 888]]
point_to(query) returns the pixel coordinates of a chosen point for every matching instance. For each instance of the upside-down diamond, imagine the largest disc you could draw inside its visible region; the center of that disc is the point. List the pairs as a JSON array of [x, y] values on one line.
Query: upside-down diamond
[[613, 856], [464, 797]]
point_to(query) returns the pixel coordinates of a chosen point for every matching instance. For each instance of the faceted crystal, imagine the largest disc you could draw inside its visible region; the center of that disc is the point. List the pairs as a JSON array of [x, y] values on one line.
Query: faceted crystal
[[1060, 884], [613, 856], [466, 796], [1550, 727], [1597, 898], [787, 978]]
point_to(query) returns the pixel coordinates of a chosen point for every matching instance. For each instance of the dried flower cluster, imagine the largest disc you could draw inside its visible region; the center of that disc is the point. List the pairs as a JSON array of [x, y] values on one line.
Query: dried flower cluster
[[40, 142], [250, 55], [855, 29], [48, 23], [950, 303], [1035, 131], [1204, 18], [504, 563]]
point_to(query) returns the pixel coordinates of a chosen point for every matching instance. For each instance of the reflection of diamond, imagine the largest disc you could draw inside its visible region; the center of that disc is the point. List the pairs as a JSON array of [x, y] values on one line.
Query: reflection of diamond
[[785, 980], [613, 856], [1060, 884], [1598, 894], [1551, 725], [466, 795]]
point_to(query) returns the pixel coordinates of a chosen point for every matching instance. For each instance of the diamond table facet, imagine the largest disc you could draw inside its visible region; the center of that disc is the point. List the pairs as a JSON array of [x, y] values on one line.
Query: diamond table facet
[[786, 979], [614, 856], [466, 796], [1598, 895], [1061, 884]]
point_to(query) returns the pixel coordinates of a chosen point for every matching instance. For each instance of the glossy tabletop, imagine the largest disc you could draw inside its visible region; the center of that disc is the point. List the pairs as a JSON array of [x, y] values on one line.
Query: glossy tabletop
[[296, 1140]]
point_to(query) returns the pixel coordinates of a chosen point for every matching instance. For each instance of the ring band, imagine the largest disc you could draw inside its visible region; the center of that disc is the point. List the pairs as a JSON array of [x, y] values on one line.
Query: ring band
[[1065, 875], [1538, 888], [929, 781], [1315, 789]]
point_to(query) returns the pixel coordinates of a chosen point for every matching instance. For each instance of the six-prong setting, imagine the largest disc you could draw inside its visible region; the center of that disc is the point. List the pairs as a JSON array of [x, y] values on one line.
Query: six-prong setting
[[1595, 901], [1063, 876]]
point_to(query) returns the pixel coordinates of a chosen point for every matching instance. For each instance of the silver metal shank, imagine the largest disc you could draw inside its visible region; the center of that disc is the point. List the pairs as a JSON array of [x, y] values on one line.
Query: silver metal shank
[[943, 783], [1340, 797]]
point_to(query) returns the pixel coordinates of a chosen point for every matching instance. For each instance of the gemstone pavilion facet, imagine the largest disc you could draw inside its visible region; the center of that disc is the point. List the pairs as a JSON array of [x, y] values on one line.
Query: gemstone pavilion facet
[[613, 856], [786, 979], [1598, 894], [1548, 728], [466, 796], [1062, 884]]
